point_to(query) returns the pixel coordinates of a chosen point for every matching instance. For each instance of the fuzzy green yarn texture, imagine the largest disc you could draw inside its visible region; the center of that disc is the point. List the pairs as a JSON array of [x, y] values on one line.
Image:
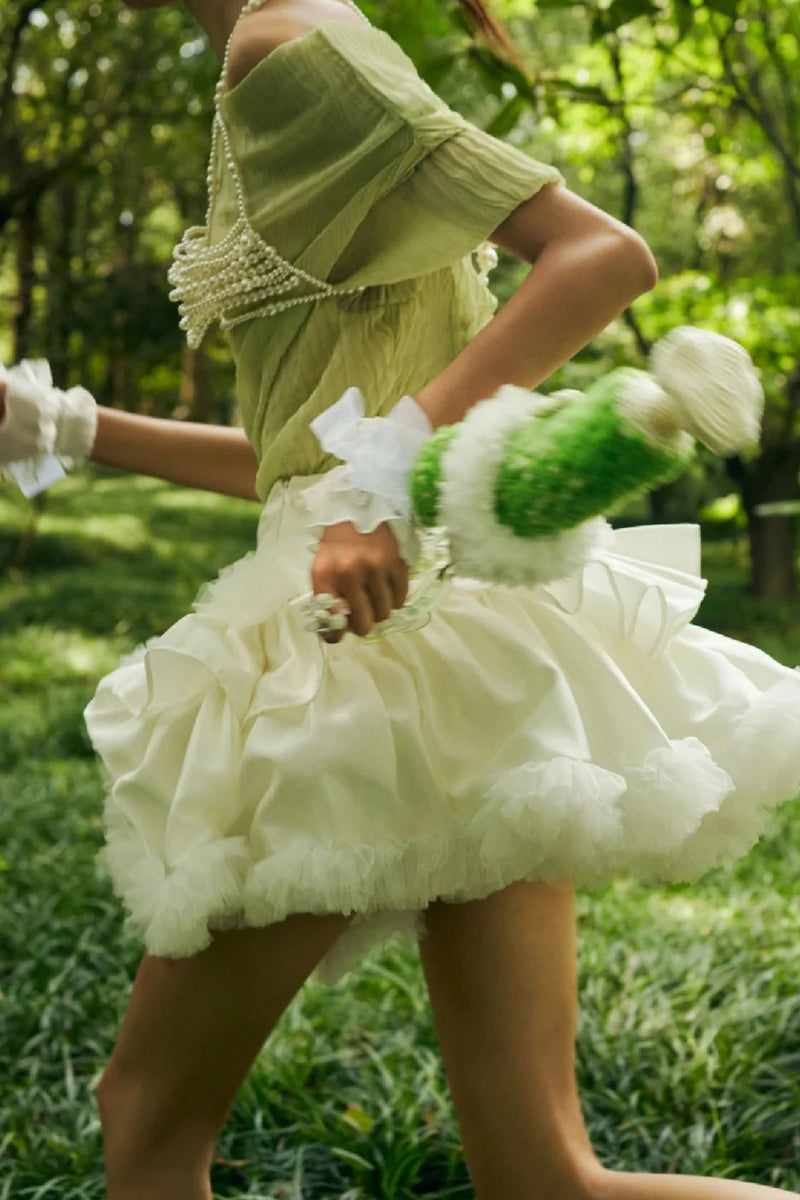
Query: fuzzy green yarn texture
[[566, 466], [582, 460], [426, 474]]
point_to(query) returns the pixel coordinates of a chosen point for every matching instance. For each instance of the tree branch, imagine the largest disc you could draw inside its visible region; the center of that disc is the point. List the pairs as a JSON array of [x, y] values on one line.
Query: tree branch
[[630, 191], [13, 37], [753, 103], [787, 90]]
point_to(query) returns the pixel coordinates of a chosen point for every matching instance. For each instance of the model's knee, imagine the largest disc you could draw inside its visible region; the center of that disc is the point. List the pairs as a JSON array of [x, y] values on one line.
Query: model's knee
[[592, 1178], [576, 1177], [145, 1129], [579, 1176], [536, 1167], [109, 1099]]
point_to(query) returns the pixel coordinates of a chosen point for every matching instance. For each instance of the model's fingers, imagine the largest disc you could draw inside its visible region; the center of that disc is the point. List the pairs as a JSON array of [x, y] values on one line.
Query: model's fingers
[[381, 593], [366, 571], [362, 614], [398, 581]]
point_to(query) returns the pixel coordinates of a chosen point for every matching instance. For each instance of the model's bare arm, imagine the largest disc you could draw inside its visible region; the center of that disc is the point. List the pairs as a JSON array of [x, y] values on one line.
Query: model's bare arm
[[211, 457], [587, 268]]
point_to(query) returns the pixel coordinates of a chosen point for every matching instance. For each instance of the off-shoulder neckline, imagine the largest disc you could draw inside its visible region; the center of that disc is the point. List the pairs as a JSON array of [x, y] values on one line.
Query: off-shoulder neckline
[[285, 48]]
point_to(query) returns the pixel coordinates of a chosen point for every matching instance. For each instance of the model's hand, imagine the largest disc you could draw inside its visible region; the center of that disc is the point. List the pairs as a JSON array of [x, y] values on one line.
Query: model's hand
[[365, 570]]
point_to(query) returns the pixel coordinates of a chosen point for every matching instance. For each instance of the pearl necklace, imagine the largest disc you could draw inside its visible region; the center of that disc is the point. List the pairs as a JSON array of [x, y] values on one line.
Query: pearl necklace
[[228, 281]]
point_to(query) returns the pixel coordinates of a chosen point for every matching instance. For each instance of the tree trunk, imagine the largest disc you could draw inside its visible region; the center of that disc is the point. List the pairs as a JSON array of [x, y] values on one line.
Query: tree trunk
[[197, 399], [188, 384], [657, 503], [121, 389], [773, 551], [773, 539], [26, 241], [205, 400], [28, 235], [669, 502], [82, 348], [60, 283]]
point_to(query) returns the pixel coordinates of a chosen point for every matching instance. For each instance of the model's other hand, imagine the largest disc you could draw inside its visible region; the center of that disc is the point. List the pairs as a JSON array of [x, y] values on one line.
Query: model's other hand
[[365, 569]]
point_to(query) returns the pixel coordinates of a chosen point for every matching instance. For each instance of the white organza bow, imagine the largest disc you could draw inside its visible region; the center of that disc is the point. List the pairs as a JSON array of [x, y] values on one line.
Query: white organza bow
[[379, 450]]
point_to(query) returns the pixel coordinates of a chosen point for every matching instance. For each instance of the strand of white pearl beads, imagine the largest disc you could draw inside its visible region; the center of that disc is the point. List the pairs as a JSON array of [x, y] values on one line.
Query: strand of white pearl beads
[[197, 264]]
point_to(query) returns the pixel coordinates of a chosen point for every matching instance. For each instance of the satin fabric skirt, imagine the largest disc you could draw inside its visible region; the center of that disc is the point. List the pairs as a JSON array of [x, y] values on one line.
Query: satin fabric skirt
[[583, 730]]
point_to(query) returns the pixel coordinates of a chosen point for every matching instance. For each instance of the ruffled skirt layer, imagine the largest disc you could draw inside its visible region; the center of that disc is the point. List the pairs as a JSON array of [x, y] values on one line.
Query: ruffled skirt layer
[[580, 730]]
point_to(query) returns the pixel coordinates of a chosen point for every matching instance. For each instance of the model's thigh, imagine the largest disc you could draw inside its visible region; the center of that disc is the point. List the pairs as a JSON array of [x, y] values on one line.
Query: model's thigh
[[193, 1026], [502, 977], [505, 964]]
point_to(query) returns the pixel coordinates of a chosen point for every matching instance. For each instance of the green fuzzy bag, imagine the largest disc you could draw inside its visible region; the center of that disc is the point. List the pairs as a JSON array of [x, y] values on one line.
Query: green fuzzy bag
[[520, 483]]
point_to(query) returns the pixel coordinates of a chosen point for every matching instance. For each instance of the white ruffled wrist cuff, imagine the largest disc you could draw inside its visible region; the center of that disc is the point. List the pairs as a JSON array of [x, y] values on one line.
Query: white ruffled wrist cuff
[[28, 430], [42, 421], [76, 423], [334, 499], [379, 450]]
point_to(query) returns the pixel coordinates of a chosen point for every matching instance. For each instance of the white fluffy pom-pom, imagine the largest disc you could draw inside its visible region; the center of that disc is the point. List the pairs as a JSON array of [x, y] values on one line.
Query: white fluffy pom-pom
[[714, 386]]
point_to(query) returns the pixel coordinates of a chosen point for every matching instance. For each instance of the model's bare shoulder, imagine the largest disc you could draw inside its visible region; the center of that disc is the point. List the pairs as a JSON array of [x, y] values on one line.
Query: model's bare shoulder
[[257, 35]]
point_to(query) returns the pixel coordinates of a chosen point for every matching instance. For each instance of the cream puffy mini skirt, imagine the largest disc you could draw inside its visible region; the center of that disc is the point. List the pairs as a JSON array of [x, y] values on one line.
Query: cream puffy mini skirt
[[583, 729]]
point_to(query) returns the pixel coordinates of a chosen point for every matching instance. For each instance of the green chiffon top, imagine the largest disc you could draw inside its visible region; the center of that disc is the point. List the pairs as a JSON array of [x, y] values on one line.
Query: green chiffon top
[[355, 170]]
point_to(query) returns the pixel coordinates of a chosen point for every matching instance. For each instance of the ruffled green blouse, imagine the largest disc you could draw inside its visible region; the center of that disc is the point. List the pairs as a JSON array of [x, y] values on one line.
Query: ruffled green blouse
[[355, 170]]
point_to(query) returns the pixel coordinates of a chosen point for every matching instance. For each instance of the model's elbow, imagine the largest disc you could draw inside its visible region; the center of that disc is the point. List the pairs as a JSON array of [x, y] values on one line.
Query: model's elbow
[[637, 262]]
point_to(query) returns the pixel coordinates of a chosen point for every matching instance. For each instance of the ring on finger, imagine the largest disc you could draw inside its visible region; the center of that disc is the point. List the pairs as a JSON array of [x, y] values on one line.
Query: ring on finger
[[325, 613]]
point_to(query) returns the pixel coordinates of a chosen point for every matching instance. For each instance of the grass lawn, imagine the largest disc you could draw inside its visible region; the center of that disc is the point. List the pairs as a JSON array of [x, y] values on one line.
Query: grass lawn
[[689, 1042]]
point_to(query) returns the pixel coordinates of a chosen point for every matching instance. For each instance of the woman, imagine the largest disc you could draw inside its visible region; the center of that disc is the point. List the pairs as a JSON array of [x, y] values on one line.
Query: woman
[[277, 807]]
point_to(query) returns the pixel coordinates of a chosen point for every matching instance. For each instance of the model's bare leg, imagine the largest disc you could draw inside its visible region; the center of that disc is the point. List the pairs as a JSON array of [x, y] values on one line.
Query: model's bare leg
[[502, 976], [186, 1043]]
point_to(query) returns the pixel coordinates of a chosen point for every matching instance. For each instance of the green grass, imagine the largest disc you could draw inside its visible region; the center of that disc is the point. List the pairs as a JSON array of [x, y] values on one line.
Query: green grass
[[689, 1041]]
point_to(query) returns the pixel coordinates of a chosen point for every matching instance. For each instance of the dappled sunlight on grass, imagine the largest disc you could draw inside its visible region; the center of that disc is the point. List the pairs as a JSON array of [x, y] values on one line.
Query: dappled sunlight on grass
[[182, 500], [43, 656], [124, 531], [691, 910], [709, 912], [125, 563]]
